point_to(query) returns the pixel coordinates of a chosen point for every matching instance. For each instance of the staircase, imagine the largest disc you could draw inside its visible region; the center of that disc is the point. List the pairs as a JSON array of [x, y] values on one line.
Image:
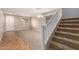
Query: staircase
[[66, 36]]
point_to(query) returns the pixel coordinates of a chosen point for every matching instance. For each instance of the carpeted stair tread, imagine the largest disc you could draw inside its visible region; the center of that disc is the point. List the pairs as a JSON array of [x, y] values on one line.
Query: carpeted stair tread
[[62, 46]]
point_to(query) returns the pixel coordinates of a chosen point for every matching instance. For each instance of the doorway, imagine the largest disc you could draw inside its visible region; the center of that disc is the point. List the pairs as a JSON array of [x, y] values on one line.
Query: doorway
[[10, 23]]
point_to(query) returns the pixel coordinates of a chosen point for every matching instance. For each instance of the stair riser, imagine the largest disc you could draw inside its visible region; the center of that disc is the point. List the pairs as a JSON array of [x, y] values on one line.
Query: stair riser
[[69, 19], [69, 23], [67, 36], [69, 31], [69, 26], [67, 43]]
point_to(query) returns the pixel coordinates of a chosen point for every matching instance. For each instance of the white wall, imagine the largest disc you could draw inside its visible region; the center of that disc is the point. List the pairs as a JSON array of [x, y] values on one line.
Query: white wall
[[70, 12], [36, 23], [1, 24]]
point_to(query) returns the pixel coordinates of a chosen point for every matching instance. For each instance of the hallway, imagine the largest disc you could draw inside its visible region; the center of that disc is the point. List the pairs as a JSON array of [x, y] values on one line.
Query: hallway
[[11, 41]]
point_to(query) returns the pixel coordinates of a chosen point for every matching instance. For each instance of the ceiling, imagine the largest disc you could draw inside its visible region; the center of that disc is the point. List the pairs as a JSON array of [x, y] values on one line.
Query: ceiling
[[26, 11]]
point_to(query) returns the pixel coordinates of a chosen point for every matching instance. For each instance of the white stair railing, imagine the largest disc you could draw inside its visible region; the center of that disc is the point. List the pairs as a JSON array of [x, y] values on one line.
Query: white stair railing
[[48, 29]]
